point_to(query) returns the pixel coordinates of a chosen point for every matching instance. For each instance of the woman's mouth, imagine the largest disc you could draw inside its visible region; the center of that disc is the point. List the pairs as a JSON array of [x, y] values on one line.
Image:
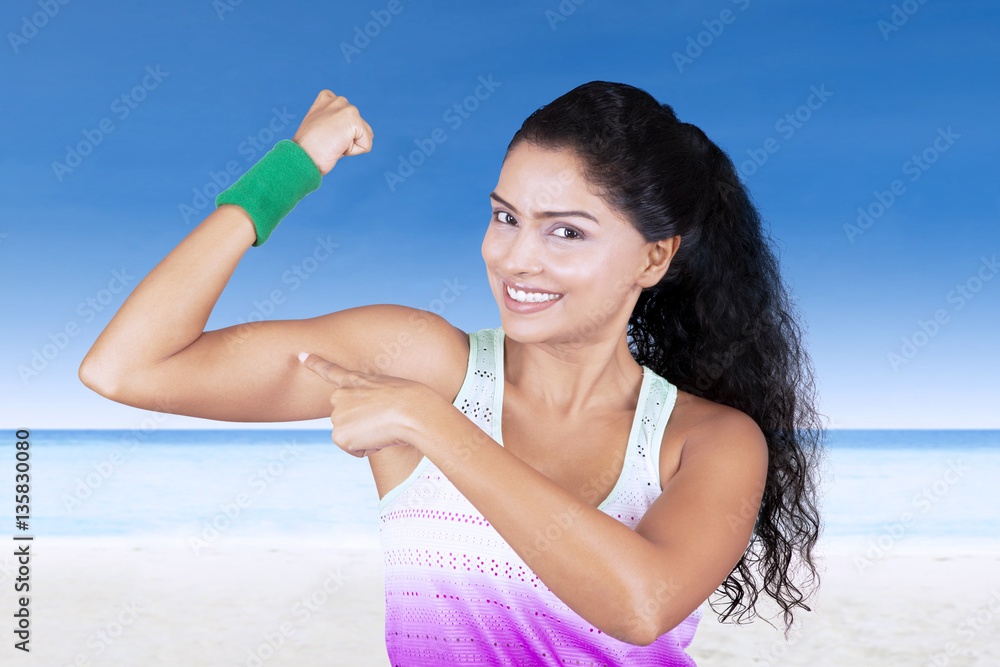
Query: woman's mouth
[[521, 301]]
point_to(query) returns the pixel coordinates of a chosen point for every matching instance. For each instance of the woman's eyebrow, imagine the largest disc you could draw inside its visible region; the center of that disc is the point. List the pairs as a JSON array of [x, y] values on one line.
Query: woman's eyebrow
[[548, 214]]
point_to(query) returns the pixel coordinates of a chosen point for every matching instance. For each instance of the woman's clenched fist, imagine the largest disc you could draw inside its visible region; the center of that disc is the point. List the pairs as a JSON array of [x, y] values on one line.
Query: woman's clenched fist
[[332, 129]]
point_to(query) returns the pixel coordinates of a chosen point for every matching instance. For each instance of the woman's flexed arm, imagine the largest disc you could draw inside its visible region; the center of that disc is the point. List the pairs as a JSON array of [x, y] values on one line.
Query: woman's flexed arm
[[155, 346]]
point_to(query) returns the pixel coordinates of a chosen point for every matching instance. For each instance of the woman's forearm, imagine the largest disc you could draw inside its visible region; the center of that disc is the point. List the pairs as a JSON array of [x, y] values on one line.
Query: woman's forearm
[[169, 308], [599, 567]]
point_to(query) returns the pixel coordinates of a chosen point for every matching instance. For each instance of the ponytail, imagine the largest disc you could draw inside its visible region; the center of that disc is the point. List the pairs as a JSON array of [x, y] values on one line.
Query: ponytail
[[720, 325]]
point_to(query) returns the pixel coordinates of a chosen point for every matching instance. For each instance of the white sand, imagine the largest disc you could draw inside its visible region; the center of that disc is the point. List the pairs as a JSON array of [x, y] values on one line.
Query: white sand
[[316, 603], [294, 602], [913, 606]]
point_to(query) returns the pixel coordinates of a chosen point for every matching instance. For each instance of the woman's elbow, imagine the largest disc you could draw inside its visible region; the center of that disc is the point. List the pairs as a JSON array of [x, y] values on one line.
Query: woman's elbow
[[99, 375]]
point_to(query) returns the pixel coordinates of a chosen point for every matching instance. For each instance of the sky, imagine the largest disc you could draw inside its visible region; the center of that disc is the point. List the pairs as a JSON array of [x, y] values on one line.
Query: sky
[[863, 130]]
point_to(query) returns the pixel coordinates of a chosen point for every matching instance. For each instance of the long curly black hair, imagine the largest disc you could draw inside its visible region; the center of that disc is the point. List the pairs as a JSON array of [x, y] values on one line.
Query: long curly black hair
[[720, 324]]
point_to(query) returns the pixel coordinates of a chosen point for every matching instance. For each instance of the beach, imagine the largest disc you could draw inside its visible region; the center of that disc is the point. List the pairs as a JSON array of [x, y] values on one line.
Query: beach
[[129, 602], [295, 601], [915, 606], [261, 549]]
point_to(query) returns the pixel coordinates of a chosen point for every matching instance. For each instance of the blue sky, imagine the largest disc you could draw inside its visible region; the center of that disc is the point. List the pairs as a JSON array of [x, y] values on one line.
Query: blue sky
[[165, 96]]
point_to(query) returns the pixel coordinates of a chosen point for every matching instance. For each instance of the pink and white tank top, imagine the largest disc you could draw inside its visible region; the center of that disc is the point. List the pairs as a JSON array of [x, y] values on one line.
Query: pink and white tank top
[[457, 594]]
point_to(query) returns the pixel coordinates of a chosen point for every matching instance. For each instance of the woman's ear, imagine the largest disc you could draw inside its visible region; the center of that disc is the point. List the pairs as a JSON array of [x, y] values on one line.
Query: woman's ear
[[657, 258]]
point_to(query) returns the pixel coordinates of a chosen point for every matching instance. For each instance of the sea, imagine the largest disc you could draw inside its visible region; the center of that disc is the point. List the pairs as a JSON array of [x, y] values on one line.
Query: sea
[[878, 490]]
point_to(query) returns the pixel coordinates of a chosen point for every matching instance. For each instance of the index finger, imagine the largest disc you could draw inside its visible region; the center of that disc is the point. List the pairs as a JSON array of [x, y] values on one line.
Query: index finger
[[329, 371]]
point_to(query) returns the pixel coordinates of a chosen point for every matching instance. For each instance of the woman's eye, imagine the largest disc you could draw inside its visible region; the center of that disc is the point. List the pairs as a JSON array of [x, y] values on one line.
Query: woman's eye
[[576, 234], [505, 218]]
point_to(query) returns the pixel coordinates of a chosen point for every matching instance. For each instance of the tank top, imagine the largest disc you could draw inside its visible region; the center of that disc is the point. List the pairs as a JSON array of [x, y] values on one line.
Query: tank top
[[457, 594]]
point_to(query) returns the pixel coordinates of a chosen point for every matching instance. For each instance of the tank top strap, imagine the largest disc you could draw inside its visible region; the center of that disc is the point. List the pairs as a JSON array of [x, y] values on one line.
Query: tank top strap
[[660, 403], [639, 482], [477, 397], [638, 485]]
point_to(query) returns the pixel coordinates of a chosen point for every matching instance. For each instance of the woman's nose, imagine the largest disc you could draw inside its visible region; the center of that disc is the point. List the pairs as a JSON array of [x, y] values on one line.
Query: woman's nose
[[522, 253]]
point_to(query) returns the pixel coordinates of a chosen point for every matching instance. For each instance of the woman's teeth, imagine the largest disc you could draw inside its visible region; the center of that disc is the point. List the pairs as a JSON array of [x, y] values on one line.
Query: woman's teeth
[[530, 297]]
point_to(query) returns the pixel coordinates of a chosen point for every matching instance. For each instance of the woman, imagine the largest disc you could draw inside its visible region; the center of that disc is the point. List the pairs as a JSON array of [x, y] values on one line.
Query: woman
[[569, 486]]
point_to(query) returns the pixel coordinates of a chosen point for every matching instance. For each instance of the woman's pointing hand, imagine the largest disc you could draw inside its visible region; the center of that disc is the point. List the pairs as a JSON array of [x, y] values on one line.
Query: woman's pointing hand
[[370, 412]]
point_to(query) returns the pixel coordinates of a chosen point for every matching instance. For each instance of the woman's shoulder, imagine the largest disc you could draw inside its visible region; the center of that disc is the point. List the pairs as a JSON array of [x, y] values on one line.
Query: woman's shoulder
[[700, 424], [698, 412]]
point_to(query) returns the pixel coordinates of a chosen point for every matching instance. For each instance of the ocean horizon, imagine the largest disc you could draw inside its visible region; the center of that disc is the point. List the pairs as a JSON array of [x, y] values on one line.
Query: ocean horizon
[[898, 488]]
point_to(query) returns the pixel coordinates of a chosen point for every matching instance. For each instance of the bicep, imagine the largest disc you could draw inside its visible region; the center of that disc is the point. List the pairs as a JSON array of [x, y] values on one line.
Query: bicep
[[703, 520], [250, 372]]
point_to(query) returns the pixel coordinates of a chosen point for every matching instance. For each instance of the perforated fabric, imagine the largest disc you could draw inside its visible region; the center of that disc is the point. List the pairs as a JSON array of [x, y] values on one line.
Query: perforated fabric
[[458, 594]]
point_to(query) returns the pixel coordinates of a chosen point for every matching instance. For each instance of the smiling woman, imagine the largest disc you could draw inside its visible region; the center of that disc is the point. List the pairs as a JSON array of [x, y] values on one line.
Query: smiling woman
[[568, 487]]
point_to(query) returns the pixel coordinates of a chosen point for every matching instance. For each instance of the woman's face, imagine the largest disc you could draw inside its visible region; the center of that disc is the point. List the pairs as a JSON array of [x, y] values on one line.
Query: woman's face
[[548, 233]]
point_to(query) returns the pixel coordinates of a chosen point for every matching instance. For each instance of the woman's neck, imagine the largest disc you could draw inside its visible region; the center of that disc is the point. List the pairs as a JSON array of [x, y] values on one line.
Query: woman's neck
[[598, 376]]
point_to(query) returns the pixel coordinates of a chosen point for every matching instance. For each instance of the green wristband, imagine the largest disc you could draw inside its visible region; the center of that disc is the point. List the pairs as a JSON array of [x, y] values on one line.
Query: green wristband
[[270, 189]]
